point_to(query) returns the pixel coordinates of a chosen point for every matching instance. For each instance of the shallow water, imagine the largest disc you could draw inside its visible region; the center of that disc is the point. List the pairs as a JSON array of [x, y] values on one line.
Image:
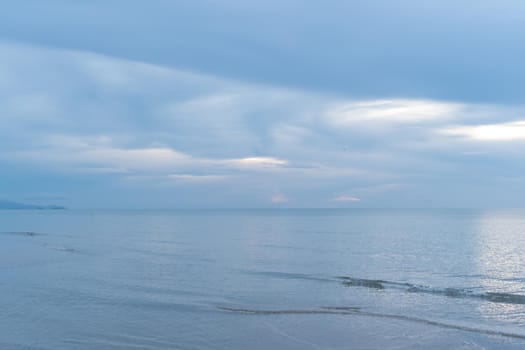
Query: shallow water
[[268, 279]]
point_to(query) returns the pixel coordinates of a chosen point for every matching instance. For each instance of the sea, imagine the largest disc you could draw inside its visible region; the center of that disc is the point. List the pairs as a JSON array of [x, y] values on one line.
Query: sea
[[262, 279]]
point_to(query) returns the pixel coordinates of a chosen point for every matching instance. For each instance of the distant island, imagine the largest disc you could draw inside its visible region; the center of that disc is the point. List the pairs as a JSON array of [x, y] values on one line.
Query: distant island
[[9, 205]]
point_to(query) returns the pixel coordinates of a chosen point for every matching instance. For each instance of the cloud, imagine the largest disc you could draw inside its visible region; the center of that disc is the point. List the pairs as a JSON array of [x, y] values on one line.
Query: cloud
[[438, 56], [100, 155], [256, 162], [101, 170], [279, 198], [72, 116], [346, 198], [397, 111], [197, 178], [512, 131], [379, 188]]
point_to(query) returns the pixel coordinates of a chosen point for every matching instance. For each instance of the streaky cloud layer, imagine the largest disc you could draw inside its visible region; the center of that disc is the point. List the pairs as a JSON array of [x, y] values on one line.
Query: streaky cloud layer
[[84, 126]]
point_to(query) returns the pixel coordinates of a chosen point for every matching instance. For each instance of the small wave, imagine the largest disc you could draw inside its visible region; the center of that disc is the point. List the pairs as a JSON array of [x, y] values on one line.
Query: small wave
[[360, 282], [119, 341], [67, 250], [495, 297], [355, 311], [18, 346], [21, 233], [286, 312], [289, 276]]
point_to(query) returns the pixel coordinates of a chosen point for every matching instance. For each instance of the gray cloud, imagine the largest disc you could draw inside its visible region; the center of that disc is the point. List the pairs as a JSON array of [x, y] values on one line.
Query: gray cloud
[[73, 120], [441, 50]]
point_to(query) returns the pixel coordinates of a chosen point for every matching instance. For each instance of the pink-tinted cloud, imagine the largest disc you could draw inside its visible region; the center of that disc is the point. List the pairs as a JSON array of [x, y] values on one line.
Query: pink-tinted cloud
[[347, 199], [279, 198]]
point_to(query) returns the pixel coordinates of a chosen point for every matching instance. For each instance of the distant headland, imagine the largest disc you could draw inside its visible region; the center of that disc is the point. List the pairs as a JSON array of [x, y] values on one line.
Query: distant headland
[[9, 205]]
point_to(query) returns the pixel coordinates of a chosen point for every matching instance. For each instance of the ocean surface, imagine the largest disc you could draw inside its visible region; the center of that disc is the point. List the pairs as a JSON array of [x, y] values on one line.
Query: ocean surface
[[262, 279]]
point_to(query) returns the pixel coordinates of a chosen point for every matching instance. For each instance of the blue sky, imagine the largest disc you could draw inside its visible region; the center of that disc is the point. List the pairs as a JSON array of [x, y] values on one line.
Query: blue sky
[[188, 104]]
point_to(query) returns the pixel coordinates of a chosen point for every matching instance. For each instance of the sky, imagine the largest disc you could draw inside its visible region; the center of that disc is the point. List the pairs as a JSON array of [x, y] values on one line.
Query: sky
[[167, 104]]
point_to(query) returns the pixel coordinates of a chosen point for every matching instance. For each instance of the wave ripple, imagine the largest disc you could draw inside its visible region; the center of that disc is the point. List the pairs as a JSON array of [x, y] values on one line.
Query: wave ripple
[[358, 312], [495, 297]]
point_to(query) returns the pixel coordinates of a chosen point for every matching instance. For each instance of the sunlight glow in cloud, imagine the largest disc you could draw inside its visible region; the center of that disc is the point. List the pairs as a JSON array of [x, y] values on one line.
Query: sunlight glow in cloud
[[258, 162], [347, 199], [197, 178], [512, 131], [98, 154], [278, 198], [391, 111], [117, 122]]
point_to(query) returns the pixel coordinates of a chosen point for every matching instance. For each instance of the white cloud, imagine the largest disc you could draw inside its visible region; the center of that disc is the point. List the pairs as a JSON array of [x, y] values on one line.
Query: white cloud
[[256, 162], [99, 155], [512, 131], [346, 198], [399, 111], [197, 178], [278, 198], [151, 124]]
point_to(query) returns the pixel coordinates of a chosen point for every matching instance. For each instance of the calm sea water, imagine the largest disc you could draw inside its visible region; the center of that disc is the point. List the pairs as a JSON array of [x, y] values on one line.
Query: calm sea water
[[282, 279]]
